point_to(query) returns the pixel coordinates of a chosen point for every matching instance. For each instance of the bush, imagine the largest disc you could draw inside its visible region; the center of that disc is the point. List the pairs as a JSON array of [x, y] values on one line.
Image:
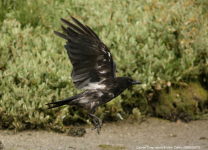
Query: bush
[[161, 43]]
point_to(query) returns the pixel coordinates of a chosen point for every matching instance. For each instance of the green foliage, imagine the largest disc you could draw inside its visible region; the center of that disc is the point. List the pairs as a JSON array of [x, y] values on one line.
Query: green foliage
[[157, 42], [182, 103]]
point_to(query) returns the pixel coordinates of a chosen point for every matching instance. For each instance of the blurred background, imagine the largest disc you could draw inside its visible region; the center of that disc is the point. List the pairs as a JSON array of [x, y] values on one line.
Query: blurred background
[[162, 43]]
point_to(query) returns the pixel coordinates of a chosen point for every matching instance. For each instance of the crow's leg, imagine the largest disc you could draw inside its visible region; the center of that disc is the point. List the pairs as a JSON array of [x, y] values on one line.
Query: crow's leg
[[98, 124]]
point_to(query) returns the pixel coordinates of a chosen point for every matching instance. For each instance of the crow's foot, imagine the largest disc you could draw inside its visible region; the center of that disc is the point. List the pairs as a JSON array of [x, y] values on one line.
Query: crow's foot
[[98, 124]]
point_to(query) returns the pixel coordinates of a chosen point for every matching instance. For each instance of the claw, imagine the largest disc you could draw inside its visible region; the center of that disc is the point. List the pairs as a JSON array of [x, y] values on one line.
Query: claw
[[98, 125]]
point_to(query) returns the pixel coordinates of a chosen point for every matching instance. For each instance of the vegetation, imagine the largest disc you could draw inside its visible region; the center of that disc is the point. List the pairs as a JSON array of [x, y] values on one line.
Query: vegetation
[[164, 44]]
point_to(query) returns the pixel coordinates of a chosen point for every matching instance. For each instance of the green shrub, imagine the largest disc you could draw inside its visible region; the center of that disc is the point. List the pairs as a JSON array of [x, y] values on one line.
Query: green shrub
[[161, 43]]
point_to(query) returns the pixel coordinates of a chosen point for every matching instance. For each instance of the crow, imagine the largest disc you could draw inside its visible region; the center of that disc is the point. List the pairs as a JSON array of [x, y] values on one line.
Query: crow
[[93, 70]]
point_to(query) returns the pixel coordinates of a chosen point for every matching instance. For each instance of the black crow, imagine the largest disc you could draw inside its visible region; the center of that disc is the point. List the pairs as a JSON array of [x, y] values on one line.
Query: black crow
[[93, 70]]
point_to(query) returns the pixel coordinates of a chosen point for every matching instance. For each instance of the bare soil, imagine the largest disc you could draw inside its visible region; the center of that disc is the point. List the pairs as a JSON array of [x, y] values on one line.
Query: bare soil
[[153, 134]]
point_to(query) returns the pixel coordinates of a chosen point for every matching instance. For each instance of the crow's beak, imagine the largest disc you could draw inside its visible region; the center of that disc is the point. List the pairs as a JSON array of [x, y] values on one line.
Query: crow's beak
[[136, 82]]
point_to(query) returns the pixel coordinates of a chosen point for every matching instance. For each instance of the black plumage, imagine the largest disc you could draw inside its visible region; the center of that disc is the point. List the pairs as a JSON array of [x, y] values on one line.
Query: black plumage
[[93, 70]]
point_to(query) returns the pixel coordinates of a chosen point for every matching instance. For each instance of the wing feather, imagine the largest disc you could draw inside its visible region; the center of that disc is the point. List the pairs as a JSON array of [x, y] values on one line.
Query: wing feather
[[91, 59]]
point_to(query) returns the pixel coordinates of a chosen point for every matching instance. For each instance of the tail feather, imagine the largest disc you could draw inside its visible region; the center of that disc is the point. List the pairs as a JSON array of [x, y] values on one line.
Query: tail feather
[[62, 102]]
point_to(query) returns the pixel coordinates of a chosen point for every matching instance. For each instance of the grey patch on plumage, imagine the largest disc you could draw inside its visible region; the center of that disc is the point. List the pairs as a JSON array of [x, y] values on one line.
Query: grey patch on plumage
[[100, 57], [108, 54], [100, 94], [83, 101], [103, 71], [111, 95], [103, 49], [93, 86]]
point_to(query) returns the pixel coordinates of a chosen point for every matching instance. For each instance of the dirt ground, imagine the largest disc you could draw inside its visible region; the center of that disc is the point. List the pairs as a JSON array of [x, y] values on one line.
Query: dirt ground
[[152, 134]]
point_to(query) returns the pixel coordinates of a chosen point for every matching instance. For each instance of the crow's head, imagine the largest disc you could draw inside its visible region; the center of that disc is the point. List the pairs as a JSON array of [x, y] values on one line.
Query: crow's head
[[125, 82]]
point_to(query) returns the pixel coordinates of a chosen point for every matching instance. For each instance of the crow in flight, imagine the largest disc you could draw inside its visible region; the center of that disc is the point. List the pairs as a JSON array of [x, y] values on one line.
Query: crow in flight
[[93, 70]]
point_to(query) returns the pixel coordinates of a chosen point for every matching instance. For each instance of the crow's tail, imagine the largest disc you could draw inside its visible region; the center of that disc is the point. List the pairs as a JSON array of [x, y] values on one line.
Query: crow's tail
[[62, 102]]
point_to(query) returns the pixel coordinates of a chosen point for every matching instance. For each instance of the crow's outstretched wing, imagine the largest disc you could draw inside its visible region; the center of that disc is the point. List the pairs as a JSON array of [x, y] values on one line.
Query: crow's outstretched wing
[[91, 59]]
